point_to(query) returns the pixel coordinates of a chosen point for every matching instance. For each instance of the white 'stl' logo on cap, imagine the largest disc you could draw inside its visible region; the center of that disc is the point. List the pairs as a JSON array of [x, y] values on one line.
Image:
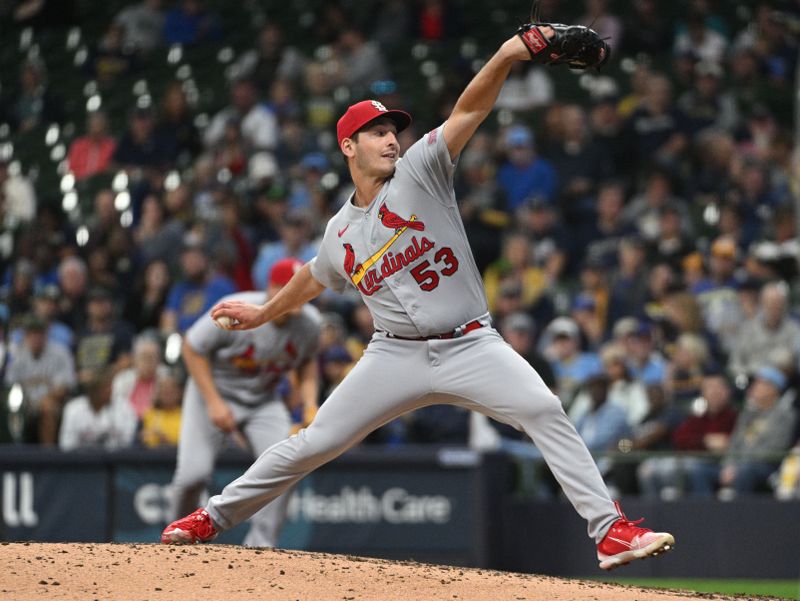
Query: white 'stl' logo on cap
[[379, 106]]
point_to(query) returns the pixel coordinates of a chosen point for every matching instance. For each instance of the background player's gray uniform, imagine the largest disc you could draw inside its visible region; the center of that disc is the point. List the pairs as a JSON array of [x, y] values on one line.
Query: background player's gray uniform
[[246, 367], [419, 283]]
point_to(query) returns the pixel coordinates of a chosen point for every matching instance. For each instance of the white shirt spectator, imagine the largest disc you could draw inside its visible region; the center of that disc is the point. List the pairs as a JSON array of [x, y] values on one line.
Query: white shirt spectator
[[530, 91], [259, 127], [712, 48], [53, 368], [112, 427]]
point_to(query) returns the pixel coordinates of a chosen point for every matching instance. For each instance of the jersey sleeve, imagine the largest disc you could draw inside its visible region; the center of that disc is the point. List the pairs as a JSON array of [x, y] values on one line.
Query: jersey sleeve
[[322, 268], [429, 164]]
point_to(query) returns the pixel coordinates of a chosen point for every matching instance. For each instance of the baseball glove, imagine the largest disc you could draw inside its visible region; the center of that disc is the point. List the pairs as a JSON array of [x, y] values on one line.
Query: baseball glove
[[574, 45]]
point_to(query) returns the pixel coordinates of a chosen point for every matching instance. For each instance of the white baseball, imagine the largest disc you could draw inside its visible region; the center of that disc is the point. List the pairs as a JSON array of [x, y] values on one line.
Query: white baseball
[[225, 322]]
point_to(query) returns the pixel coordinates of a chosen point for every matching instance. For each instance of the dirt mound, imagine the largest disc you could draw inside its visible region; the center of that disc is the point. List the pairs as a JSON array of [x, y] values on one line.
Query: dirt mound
[[137, 571]]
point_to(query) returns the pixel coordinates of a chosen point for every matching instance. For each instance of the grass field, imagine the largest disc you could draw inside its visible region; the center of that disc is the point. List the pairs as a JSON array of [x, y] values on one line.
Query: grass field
[[784, 589]]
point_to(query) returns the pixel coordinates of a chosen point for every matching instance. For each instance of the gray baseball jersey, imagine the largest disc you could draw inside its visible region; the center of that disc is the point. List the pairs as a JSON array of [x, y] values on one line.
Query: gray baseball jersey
[[408, 255], [247, 365], [407, 252]]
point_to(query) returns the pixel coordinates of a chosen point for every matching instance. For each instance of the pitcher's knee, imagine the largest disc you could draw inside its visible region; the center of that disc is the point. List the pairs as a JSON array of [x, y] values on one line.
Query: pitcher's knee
[[308, 449], [546, 406]]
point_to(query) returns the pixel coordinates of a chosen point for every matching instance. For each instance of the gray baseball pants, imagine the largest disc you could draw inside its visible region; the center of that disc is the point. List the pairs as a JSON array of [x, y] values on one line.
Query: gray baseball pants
[[478, 371], [200, 443]]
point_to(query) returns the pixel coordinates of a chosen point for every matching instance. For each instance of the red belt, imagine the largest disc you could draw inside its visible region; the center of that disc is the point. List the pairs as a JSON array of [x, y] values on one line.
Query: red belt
[[457, 333]]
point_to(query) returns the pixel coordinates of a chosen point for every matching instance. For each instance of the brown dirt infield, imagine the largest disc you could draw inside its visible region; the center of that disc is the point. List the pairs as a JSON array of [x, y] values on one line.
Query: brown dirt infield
[[154, 572]]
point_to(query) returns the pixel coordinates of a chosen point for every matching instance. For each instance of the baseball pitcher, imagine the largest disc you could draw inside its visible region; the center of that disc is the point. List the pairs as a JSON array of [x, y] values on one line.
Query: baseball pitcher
[[399, 240]]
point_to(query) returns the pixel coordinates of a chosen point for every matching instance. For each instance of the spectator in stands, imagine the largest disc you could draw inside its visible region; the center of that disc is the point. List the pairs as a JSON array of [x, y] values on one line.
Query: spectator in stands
[[335, 362], [142, 25], [518, 329], [45, 307], [144, 307], [356, 62], [143, 150], [91, 154], [771, 328], [645, 362], [104, 344], [73, 279], [655, 129], [717, 293], [271, 59], [18, 296], [197, 291], [707, 104], [698, 37], [604, 424], [515, 266], [588, 316], [764, 429], [318, 104], [482, 204], [525, 174], [604, 232], [624, 391], [294, 242], [652, 433], [597, 17], [111, 59], [46, 372], [176, 122], [270, 207], [707, 428], [154, 236], [646, 30], [552, 247], [526, 88], [571, 366], [191, 23], [644, 209], [671, 243], [230, 234], [92, 421], [628, 282], [684, 374], [137, 385], [594, 289], [580, 162], [35, 104], [258, 124], [161, 423], [18, 197], [231, 151]]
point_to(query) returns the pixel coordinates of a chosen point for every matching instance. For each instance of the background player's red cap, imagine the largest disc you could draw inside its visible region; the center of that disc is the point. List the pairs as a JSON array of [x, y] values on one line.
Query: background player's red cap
[[283, 270], [361, 113]]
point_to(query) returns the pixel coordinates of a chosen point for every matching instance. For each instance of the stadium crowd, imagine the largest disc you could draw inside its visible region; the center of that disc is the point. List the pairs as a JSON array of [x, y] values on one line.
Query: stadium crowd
[[637, 239]]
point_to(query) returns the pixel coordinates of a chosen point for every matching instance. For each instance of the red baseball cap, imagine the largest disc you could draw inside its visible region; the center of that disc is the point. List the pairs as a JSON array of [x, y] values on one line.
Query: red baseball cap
[[361, 113], [283, 270]]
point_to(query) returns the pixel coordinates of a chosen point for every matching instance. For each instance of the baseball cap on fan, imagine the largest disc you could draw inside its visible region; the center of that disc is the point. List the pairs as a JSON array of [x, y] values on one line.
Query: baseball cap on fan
[[283, 270], [361, 113]]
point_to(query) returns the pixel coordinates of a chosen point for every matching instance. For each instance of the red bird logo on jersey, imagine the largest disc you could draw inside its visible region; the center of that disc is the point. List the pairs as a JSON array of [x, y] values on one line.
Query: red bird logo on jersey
[[395, 222], [350, 266], [246, 361]]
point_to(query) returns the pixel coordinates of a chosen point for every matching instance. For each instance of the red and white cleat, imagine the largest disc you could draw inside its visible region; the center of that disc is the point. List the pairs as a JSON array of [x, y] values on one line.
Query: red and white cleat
[[196, 527], [626, 542]]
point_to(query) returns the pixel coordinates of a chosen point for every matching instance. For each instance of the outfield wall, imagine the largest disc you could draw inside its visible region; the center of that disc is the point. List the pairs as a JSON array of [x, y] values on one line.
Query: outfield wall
[[444, 505]]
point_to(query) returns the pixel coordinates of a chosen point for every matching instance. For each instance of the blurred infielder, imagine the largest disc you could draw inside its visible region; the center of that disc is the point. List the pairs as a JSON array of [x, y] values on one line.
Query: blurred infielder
[[399, 240], [231, 391]]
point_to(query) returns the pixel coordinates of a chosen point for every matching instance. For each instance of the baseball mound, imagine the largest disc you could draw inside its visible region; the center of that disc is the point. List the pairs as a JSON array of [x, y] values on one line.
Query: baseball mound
[[138, 571]]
